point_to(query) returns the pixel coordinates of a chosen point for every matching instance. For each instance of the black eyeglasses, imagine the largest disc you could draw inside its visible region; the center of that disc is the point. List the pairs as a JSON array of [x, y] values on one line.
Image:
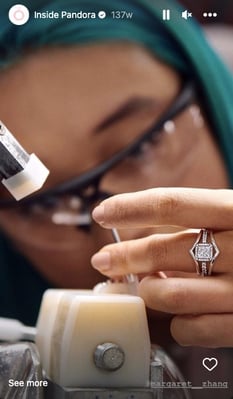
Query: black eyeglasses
[[83, 191]]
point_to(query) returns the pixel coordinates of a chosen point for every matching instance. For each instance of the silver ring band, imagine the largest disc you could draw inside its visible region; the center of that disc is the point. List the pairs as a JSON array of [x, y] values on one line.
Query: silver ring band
[[204, 252]]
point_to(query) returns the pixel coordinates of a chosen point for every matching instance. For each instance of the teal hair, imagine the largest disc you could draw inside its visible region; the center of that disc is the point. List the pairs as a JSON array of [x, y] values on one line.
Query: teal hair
[[178, 42]]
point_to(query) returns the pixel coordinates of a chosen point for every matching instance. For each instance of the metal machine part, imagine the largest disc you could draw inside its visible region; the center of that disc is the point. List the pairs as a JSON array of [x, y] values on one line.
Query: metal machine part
[[20, 362], [55, 391], [21, 173], [20, 371], [13, 156], [109, 356], [162, 369]]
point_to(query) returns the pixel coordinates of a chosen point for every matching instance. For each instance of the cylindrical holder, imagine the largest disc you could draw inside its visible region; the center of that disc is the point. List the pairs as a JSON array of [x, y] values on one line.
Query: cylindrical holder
[[73, 324], [22, 174]]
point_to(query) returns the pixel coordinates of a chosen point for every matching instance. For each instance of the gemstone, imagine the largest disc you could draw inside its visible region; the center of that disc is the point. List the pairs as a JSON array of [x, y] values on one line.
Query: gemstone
[[204, 252]]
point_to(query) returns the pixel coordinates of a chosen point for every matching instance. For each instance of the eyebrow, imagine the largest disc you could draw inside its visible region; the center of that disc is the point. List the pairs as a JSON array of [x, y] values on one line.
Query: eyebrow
[[128, 108]]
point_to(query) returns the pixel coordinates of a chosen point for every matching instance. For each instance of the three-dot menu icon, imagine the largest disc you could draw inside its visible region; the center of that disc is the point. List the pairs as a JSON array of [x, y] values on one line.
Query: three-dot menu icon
[[210, 14]]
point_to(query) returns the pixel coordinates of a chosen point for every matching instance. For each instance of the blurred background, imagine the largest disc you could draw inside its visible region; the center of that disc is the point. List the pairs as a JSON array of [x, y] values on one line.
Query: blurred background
[[219, 29]]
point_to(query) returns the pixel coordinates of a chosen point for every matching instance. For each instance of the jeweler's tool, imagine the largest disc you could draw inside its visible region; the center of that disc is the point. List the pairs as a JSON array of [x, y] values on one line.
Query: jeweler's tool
[[131, 279], [21, 173]]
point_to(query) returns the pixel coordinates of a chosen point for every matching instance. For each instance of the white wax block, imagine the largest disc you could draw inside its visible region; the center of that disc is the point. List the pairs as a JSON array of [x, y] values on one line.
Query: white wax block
[[45, 324], [109, 287], [57, 332], [94, 320], [72, 323], [29, 180], [49, 310]]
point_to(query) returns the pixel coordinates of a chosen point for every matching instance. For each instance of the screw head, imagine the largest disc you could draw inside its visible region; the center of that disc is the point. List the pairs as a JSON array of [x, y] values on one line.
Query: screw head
[[109, 356]]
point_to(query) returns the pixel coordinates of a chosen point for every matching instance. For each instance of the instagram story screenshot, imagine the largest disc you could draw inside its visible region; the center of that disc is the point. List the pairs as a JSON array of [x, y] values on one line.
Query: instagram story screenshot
[[116, 201]]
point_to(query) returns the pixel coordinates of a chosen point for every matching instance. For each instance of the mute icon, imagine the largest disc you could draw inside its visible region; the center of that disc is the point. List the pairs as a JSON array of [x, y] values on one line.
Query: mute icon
[[186, 14]]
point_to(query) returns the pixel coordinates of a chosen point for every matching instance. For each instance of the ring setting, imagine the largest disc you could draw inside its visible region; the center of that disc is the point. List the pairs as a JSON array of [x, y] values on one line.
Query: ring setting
[[204, 252]]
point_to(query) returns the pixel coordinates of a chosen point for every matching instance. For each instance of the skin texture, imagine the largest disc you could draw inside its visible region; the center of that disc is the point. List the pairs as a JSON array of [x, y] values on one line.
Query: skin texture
[[56, 101]]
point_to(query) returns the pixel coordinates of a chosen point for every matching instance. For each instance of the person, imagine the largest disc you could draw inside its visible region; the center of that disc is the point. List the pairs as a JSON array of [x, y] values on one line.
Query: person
[[114, 106]]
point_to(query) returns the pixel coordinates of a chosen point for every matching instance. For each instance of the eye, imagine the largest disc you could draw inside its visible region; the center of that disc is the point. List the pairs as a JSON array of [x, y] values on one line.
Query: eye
[[147, 144], [46, 203], [141, 149]]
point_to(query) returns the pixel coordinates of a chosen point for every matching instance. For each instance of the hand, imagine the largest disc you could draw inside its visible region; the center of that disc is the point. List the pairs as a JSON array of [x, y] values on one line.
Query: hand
[[203, 306]]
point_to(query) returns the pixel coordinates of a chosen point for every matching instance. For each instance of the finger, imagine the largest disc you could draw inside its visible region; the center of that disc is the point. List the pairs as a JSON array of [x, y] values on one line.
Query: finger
[[160, 252], [188, 295], [187, 207], [210, 330]]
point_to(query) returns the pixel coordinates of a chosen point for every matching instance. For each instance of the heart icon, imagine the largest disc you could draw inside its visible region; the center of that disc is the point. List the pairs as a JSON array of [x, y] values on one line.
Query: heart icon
[[210, 363]]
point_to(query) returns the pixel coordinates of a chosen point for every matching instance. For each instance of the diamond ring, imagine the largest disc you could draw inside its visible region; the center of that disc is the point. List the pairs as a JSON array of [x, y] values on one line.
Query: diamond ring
[[204, 252]]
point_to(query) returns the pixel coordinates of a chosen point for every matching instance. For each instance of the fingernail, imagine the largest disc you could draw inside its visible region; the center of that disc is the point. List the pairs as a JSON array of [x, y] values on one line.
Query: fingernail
[[98, 214], [101, 261]]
